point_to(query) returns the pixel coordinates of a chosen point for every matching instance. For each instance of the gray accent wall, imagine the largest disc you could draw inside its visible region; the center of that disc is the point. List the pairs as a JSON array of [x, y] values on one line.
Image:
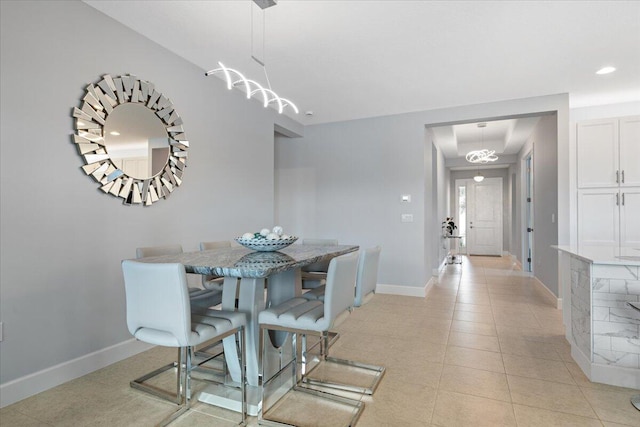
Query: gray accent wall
[[62, 293]]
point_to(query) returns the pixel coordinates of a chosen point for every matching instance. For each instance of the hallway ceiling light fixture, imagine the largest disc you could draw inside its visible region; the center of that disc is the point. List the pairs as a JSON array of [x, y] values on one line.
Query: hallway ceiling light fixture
[[478, 177], [606, 70], [482, 156], [235, 78]]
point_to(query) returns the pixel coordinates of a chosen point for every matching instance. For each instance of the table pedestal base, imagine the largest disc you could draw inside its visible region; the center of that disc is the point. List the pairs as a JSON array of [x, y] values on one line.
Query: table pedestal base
[[230, 398]]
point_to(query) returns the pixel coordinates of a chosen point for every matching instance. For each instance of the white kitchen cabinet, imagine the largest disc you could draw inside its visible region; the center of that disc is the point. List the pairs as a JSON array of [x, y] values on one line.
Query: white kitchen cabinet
[[630, 151], [598, 217], [609, 217], [608, 152]]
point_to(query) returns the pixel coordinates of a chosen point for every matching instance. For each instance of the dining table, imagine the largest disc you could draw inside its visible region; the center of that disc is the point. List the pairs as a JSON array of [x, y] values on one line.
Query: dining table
[[247, 274]]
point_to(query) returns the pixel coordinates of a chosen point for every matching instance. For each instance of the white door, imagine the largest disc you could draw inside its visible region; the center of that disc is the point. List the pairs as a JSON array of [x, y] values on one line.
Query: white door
[[598, 217], [630, 217], [484, 227]]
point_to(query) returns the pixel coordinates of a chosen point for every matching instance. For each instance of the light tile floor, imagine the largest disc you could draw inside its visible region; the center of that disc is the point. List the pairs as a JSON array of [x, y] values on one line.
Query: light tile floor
[[483, 349]]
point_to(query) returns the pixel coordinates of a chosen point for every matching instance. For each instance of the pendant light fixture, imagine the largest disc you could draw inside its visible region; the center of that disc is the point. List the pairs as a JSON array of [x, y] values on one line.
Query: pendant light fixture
[[235, 78], [481, 156]]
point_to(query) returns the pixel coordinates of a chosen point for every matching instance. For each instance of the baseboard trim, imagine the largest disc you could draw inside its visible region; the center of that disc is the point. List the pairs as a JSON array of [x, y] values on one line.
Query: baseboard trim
[[615, 375], [21, 388], [606, 374], [408, 291], [548, 295]]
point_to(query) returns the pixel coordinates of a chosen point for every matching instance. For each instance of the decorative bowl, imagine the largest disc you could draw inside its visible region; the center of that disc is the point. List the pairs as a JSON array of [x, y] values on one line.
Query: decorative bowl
[[263, 259], [265, 245]]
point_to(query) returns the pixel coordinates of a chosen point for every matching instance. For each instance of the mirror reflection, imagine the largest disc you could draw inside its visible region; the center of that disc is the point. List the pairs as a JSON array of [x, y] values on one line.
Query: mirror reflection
[[136, 140]]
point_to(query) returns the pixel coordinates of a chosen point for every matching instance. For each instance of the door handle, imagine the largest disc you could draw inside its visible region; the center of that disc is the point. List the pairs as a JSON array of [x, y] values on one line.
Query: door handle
[[529, 229], [623, 179], [617, 177], [617, 199], [622, 198]]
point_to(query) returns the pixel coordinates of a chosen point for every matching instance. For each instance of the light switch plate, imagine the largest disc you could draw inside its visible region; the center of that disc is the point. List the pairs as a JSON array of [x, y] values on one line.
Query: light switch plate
[[406, 198], [406, 217]]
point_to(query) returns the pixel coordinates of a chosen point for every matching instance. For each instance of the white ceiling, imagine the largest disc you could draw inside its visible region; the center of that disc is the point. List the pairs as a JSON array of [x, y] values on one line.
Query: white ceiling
[[353, 59]]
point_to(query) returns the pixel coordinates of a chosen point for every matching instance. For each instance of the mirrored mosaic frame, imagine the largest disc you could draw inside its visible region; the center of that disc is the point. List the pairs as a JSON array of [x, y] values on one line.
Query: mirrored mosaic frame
[[98, 102]]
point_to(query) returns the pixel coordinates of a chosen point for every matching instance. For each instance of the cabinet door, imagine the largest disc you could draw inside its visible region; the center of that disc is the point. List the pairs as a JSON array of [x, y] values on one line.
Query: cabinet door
[[597, 144], [630, 151], [630, 217], [598, 217]]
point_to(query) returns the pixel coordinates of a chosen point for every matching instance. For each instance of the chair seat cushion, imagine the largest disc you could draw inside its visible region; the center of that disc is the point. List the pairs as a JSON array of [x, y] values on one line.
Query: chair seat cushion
[[204, 327], [296, 313], [236, 318], [315, 294]]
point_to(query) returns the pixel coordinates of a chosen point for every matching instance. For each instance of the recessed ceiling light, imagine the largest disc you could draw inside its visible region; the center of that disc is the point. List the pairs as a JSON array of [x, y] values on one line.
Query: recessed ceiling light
[[606, 70], [114, 133]]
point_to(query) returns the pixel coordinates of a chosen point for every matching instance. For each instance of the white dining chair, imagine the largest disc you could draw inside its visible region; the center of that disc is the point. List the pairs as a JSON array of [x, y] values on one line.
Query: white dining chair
[[158, 312], [302, 317], [200, 298], [315, 275], [366, 279]]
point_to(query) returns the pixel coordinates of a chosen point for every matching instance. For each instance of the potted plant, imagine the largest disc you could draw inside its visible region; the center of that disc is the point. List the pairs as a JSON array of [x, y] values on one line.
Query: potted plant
[[448, 226]]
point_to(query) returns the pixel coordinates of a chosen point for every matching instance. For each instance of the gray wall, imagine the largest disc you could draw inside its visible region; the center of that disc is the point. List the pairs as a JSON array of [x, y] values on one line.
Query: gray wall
[[345, 180], [547, 200], [62, 294], [347, 177]]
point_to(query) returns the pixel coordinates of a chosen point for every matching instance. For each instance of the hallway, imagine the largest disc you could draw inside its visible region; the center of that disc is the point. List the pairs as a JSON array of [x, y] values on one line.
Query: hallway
[[483, 349]]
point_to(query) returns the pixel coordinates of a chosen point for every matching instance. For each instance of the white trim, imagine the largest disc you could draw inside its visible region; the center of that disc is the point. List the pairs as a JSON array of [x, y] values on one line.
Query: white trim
[[408, 291], [581, 359], [615, 375], [606, 374], [546, 292], [21, 388]]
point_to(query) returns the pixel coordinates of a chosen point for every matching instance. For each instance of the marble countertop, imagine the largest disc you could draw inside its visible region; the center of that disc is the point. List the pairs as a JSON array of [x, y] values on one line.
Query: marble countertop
[[604, 254], [238, 261]]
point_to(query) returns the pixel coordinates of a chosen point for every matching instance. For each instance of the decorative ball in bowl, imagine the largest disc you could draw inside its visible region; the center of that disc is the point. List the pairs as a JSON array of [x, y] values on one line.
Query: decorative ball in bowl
[[266, 240]]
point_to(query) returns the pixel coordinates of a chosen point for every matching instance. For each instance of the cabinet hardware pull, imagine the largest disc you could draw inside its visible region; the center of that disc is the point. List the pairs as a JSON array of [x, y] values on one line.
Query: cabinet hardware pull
[[617, 177], [622, 198], [623, 176], [617, 199]]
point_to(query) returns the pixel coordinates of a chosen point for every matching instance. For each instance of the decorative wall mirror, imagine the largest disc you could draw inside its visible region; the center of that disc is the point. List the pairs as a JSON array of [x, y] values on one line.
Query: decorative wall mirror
[[131, 139]]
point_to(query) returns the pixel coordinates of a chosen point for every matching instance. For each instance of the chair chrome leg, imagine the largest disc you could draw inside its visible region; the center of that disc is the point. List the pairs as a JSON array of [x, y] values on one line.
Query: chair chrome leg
[[325, 343]]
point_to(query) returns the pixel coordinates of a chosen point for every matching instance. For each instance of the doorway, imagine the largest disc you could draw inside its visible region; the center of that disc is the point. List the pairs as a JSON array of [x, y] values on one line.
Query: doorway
[[528, 211], [479, 206]]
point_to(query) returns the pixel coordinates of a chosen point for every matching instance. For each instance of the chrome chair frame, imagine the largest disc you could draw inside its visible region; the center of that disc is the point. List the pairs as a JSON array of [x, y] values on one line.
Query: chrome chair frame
[[263, 414]]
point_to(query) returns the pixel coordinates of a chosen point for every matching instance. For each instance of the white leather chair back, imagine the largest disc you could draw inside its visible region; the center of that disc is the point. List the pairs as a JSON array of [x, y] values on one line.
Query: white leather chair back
[[341, 279], [158, 250], [158, 307], [205, 246], [367, 278]]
